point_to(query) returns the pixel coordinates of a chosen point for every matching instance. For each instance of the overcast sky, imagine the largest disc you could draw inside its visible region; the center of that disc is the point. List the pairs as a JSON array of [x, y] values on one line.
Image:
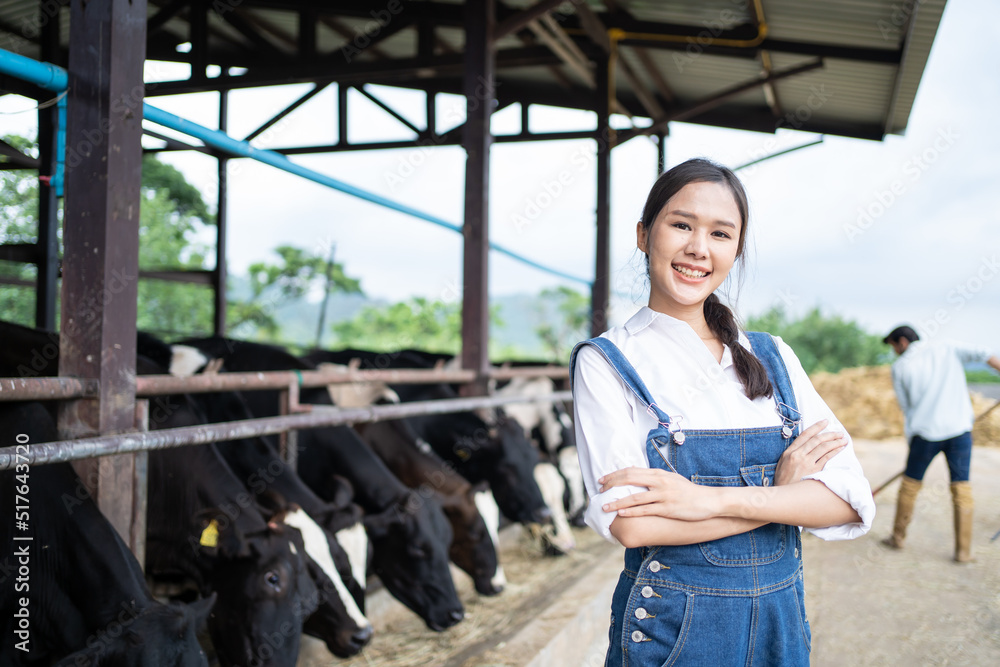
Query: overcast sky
[[904, 230]]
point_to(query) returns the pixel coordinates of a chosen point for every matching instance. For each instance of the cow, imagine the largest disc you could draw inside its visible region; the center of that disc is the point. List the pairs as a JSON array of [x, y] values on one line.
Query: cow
[[497, 453], [410, 534], [337, 572], [70, 588], [471, 510], [205, 527], [36, 353], [559, 475]]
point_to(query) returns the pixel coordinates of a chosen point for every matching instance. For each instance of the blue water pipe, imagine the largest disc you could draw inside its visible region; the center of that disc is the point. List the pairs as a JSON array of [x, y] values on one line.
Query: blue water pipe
[[54, 78]]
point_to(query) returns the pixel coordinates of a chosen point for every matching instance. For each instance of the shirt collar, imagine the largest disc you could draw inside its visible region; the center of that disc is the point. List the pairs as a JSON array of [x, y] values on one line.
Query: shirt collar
[[645, 316]]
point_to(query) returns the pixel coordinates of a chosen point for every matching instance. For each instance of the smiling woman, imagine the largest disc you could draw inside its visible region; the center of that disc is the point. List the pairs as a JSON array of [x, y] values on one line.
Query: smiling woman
[[705, 477]]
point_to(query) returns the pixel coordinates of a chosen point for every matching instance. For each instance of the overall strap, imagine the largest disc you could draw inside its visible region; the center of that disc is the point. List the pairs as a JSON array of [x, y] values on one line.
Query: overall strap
[[765, 349], [625, 371]]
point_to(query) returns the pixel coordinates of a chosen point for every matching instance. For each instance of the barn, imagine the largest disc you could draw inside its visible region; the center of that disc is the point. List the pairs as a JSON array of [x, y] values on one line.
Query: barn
[[844, 69]]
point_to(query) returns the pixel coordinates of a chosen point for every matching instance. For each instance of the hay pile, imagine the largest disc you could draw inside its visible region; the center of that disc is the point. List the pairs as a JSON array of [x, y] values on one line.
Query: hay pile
[[864, 401]]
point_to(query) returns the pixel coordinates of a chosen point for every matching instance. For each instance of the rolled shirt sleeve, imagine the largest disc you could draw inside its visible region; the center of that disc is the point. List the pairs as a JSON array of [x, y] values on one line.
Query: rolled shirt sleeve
[[843, 473], [605, 435]]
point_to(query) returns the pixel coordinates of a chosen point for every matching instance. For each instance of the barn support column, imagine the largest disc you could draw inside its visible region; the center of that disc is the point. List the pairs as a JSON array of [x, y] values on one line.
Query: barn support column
[[479, 95], [107, 48], [601, 291], [221, 220], [661, 153], [47, 258]]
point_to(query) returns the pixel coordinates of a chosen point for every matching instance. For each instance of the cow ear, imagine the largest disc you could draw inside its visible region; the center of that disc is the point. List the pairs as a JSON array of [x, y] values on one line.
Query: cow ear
[[200, 609], [340, 491], [217, 535]]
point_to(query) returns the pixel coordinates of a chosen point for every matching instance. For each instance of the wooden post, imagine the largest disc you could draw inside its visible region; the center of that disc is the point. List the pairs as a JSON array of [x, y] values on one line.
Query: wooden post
[[107, 48], [480, 94], [600, 291]]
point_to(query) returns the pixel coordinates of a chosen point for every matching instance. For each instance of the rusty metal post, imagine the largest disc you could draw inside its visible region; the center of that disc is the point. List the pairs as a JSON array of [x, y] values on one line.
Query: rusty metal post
[[600, 291], [480, 93], [47, 258], [661, 153], [221, 221], [140, 487], [107, 48]]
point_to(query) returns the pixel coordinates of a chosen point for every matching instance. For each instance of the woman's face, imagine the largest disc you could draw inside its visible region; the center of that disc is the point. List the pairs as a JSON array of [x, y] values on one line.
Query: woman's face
[[691, 245]]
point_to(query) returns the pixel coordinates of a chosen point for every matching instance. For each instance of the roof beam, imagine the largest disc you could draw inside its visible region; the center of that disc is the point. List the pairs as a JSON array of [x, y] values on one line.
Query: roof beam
[[516, 22], [714, 101], [333, 68]]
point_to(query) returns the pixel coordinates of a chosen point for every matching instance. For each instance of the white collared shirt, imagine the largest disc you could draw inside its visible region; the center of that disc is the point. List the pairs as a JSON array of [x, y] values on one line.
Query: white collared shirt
[[930, 386], [688, 383]]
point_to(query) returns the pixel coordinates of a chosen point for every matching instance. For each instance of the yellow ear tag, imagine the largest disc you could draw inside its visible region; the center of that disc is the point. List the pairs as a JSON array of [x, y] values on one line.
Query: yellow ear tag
[[210, 536]]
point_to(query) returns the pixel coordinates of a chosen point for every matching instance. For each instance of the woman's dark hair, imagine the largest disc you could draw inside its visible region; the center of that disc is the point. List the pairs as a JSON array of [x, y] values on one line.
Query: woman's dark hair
[[720, 319]]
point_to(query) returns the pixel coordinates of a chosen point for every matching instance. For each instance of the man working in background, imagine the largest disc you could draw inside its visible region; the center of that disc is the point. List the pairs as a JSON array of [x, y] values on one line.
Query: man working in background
[[930, 386]]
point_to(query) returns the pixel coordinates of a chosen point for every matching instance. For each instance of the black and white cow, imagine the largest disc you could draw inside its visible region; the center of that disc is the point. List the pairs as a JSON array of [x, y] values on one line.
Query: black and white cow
[[333, 536], [497, 453], [204, 527], [559, 475], [72, 591], [410, 534], [262, 621]]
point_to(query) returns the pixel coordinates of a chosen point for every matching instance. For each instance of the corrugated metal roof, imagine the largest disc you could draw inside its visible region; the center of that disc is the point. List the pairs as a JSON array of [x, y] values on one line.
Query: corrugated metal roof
[[873, 52]]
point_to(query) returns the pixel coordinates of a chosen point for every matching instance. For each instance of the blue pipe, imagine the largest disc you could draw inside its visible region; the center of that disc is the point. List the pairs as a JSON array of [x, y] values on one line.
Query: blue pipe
[[54, 78], [235, 147], [44, 75]]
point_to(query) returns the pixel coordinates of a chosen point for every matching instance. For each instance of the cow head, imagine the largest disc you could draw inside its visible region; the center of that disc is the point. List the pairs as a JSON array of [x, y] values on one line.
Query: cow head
[[473, 548], [161, 635], [264, 589], [412, 539], [511, 476]]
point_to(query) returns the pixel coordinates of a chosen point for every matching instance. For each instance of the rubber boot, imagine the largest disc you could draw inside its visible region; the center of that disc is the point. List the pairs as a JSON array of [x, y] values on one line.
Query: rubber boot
[[908, 490], [961, 496]]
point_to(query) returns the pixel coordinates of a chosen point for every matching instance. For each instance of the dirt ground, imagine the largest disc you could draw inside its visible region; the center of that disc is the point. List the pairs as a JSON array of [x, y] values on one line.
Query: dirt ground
[[869, 605]]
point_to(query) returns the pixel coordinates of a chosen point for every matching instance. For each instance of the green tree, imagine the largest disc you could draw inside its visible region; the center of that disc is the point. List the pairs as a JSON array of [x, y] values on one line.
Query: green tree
[[297, 272], [18, 224], [172, 217], [823, 343], [434, 326], [570, 310]]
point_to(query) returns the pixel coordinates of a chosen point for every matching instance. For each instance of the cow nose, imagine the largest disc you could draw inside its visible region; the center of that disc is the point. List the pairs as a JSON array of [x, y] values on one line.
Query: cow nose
[[362, 636], [456, 615]]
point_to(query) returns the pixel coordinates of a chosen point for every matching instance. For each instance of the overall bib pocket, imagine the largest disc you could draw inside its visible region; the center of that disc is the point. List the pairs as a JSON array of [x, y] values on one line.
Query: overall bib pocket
[[759, 546]]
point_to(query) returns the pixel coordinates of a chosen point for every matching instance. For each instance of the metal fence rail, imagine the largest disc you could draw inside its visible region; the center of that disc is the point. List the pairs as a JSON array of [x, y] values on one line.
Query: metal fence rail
[[318, 416]]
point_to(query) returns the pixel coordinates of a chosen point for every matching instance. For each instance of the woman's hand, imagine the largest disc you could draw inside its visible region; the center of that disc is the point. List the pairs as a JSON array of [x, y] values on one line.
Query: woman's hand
[[670, 495], [808, 453]]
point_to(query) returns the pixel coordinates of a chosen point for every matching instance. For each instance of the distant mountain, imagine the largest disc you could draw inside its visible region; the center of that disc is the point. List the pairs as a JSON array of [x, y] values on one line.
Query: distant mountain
[[520, 314]]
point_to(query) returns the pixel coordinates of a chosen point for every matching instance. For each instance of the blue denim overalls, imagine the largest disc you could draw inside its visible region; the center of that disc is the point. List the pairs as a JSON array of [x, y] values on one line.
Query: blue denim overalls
[[736, 601]]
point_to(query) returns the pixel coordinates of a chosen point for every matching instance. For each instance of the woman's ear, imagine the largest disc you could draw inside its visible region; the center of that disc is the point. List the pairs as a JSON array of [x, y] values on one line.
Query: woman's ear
[[640, 237]]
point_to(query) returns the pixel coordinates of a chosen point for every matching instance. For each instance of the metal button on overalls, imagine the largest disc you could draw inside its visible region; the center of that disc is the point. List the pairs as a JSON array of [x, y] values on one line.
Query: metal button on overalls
[[654, 566], [647, 591], [641, 613], [637, 636]]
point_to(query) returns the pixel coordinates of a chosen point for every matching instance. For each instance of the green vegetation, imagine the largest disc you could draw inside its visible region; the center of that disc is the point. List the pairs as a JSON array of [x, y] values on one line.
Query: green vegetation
[[296, 273], [570, 311], [18, 224], [823, 343], [434, 326], [982, 377]]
